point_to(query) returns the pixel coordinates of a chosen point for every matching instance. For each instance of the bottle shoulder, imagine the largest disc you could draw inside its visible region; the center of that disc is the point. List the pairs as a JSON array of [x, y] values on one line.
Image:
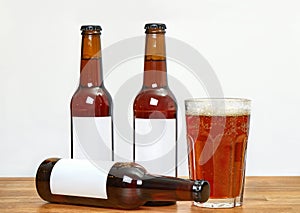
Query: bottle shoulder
[[158, 93], [150, 100], [93, 92], [129, 169], [93, 101]]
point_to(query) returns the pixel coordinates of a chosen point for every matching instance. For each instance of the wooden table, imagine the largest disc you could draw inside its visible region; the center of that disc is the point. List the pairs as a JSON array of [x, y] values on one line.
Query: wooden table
[[262, 194]]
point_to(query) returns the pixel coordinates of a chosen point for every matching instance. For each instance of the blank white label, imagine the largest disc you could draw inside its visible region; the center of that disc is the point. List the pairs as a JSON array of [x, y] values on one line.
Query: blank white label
[[155, 145], [92, 138], [75, 177]]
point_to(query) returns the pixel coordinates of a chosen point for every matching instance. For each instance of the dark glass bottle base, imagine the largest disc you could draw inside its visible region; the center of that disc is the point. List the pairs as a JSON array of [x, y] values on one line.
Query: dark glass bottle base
[[160, 203]]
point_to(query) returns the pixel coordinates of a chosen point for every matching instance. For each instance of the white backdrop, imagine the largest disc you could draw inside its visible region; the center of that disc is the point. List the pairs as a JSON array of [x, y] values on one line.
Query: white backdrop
[[252, 45]]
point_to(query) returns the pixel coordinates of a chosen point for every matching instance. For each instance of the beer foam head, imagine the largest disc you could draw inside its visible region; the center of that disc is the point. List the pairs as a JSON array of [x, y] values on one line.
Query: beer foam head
[[217, 106]]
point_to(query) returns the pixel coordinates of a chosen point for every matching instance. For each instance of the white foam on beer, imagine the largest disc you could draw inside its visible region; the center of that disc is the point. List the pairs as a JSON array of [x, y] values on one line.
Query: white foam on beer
[[218, 108], [227, 112]]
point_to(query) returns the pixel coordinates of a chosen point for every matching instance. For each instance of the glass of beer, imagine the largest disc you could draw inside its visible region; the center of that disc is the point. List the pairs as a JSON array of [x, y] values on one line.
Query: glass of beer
[[217, 135]]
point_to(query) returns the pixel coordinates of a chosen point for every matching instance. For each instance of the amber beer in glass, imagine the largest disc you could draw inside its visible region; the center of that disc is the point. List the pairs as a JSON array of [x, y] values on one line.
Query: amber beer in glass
[[155, 111], [91, 104], [217, 135]]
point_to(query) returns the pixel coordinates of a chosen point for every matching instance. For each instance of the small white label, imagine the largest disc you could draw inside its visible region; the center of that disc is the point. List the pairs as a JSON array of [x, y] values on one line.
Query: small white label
[[155, 145], [81, 178], [92, 138]]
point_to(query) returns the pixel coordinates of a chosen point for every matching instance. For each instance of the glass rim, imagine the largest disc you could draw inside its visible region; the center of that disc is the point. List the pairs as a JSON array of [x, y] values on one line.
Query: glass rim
[[241, 100]]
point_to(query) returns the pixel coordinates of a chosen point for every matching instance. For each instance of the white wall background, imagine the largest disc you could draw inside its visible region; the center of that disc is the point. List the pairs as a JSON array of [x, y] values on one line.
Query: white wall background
[[252, 45]]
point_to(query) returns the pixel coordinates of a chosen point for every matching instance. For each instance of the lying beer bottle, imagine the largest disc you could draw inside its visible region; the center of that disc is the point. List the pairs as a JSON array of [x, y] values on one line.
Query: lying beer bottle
[[91, 104], [111, 184], [155, 111]]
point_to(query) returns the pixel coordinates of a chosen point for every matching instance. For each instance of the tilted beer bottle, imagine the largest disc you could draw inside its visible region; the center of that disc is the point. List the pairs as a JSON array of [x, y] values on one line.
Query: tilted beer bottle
[[111, 184], [155, 111], [91, 105]]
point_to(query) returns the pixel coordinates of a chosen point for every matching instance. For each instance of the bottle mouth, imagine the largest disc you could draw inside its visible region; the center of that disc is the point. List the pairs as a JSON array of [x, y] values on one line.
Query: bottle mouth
[[90, 29], [201, 191], [155, 28]]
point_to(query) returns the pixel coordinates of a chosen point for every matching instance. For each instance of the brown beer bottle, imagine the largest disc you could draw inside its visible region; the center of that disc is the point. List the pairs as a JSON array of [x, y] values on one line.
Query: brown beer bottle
[[155, 111], [111, 184], [91, 104]]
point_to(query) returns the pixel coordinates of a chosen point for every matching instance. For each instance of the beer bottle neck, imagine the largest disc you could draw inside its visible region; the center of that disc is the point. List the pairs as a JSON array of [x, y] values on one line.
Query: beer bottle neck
[[155, 66], [175, 189], [91, 61]]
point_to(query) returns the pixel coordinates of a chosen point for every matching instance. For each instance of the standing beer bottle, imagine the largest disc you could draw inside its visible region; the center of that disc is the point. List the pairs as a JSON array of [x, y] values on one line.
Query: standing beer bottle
[[91, 104], [155, 111]]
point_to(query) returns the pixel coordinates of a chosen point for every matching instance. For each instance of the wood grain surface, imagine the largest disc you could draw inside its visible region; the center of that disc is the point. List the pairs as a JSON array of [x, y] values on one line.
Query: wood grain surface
[[262, 194]]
